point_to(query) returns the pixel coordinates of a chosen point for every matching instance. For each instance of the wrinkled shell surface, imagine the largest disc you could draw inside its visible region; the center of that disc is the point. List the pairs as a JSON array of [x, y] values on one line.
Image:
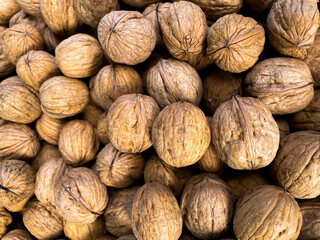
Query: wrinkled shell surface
[[7, 9], [283, 128], [22, 17], [18, 234], [313, 59], [5, 220], [6, 67], [51, 40], [310, 221], [102, 129], [31, 7], [47, 151], [92, 113]]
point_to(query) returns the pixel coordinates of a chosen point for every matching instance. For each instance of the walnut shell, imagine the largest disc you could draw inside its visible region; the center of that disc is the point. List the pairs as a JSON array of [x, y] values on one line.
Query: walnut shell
[[113, 81], [284, 85], [20, 39], [171, 81], [7, 9], [186, 235], [117, 215], [92, 113], [6, 67], [313, 59], [310, 221], [35, 67], [31, 7], [140, 3], [18, 234], [18, 141], [22, 17], [126, 37], [181, 134], [260, 5], [258, 211], [102, 129], [5, 220], [49, 128], [127, 237], [106, 238], [292, 26], [42, 220], [80, 197], [245, 134], [47, 151], [235, 42], [51, 40], [63, 97], [117, 169], [283, 128], [83, 49], [156, 213]]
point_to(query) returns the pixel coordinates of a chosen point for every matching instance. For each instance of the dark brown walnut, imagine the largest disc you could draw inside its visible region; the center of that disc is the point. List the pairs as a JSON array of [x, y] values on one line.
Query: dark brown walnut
[[181, 134], [117, 215], [47, 178], [310, 221], [89, 231], [218, 87], [49, 128], [174, 178], [126, 37], [171, 81], [63, 97], [296, 166], [235, 42], [156, 213], [260, 5], [259, 210], [80, 197], [92, 113], [5, 220], [78, 142], [102, 129], [283, 128], [91, 11], [140, 3], [207, 206], [35, 67], [60, 16], [127, 237], [201, 62], [2, 122], [22, 17], [18, 141], [113, 81], [292, 26], [82, 49], [17, 179], [47, 151], [117, 169], [313, 59], [245, 134], [20, 39], [184, 30], [42, 220], [284, 85], [51, 40], [6, 67], [18, 234], [31, 7], [7, 9], [129, 122]]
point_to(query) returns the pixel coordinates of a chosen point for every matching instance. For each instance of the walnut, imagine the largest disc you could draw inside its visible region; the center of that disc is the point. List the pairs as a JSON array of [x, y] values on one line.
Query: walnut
[[51, 40], [6, 67], [136, 112], [313, 59], [92, 113], [49, 128], [235, 42], [171, 81], [63, 97], [260, 5], [117, 215], [7, 9], [35, 67], [83, 49], [22, 17], [156, 213], [126, 37], [207, 206], [102, 129], [5, 220], [296, 166], [140, 3], [106, 238], [284, 85], [283, 128], [20, 39], [117, 169], [181, 134], [245, 134], [258, 211], [186, 235], [174, 178], [113, 81], [292, 26], [127, 237], [310, 221], [47, 151], [31, 7], [80, 197], [18, 141], [18, 234]]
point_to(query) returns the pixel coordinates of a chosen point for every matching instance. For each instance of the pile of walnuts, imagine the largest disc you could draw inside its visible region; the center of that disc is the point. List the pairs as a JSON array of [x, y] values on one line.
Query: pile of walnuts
[[159, 120]]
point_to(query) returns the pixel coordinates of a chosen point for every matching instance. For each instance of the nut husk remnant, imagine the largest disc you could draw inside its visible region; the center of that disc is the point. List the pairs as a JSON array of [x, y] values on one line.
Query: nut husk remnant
[[18, 234], [7, 9], [313, 59], [5, 220], [310, 221], [47, 151]]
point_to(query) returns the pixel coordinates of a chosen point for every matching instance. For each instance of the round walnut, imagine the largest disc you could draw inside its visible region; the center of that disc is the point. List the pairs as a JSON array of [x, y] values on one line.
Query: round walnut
[[35, 67], [102, 129], [18, 234], [284, 85], [235, 42], [257, 212], [6, 67], [20, 39], [92, 113], [292, 26], [78, 142], [31, 7], [117, 169], [49, 128], [82, 49], [42, 220], [126, 37], [18, 141], [22, 17], [7, 9], [80, 197], [297, 164], [17, 180], [117, 215], [260, 5], [51, 40], [171, 81], [310, 221], [156, 213], [47, 151], [113, 81], [137, 113], [127, 237], [63, 97], [245, 134], [184, 30], [181, 134], [207, 206], [313, 59], [5, 220], [174, 178]]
